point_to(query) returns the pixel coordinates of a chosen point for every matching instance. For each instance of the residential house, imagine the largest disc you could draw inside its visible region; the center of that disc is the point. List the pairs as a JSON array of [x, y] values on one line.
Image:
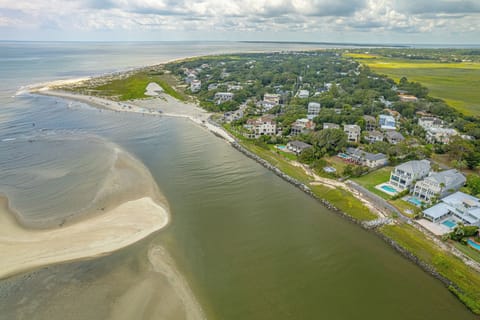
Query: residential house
[[405, 174], [370, 123], [368, 159], [264, 125], [386, 122], [407, 98], [234, 87], [439, 184], [328, 125], [297, 146], [313, 110], [430, 122], [460, 205], [270, 100], [302, 126], [212, 86], [221, 97], [394, 137], [440, 135], [303, 94], [195, 85], [374, 136], [353, 132]]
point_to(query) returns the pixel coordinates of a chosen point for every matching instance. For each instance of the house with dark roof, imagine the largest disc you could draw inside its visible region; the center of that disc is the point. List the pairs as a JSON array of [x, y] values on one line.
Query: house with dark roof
[[371, 160], [374, 136], [298, 146], [394, 137], [439, 184]]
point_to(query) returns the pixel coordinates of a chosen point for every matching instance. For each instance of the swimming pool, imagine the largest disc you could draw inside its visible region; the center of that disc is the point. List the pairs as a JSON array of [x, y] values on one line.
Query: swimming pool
[[415, 201], [473, 244], [449, 223], [343, 155], [281, 147], [388, 189]]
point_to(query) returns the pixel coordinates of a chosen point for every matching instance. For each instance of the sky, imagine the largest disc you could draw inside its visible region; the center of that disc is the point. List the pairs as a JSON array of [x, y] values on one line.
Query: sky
[[358, 21]]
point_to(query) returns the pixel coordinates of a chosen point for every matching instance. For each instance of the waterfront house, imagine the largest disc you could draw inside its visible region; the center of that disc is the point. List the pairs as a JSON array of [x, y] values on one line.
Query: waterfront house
[[353, 132], [374, 136], [313, 110], [460, 205], [386, 122], [394, 137], [264, 125], [328, 125], [439, 185], [440, 135], [297, 146], [404, 175], [302, 126], [371, 160], [221, 97]]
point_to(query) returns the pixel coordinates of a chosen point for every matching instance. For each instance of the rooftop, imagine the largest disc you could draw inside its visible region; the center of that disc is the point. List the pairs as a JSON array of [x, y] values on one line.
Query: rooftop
[[414, 166], [447, 177]]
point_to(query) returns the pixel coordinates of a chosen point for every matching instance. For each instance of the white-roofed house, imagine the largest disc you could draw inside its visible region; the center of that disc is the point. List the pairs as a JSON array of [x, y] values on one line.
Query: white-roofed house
[[353, 132], [386, 122], [462, 206], [440, 135]]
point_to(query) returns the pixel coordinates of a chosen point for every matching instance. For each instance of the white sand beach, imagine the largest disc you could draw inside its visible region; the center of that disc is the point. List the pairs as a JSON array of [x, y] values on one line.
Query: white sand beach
[[23, 249]]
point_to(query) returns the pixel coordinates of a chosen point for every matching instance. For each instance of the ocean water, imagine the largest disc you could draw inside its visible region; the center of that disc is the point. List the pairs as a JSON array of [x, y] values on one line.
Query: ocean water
[[249, 245]]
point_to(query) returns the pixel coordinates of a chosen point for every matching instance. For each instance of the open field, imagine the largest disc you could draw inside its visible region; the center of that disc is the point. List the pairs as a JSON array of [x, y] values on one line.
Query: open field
[[449, 266], [456, 83], [133, 86], [469, 251]]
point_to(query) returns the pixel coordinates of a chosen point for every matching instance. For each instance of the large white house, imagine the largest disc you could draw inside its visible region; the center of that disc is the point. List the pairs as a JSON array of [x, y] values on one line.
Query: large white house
[[439, 184], [302, 126], [195, 85], [462, 206], [440, 135], [430, 122], [405, 174], [353, 132], [262, 126], [313, 110]]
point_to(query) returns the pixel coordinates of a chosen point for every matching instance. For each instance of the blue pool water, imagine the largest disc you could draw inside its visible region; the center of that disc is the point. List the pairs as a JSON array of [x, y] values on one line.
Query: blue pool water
[[473, 244], [388, 189], [415, 201], [343, 155], [449, 223], [281, 147]]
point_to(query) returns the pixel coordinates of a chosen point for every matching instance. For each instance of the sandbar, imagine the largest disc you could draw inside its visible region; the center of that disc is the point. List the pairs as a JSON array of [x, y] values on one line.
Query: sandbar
[[23, 249]]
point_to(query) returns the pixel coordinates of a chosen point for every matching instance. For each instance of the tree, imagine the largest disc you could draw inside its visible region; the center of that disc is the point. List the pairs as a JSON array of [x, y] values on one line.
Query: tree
[[473, 184], [329, 141]]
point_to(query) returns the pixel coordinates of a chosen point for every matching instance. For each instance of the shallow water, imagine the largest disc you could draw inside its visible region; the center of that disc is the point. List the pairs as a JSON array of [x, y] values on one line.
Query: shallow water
[[250, 245]]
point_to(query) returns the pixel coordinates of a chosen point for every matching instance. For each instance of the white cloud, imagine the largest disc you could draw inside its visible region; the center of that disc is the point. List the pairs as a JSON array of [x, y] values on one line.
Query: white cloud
[[370, 18]]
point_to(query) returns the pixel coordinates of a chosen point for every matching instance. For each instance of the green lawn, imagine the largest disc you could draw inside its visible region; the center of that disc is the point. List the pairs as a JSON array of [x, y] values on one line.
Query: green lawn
[[404, 206], [456, 83], [449, 266], [469, 251], [369, 181], [344, 201]]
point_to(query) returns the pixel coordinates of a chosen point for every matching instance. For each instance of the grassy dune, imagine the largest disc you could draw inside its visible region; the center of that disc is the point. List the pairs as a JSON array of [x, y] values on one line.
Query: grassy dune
[[456, 83]]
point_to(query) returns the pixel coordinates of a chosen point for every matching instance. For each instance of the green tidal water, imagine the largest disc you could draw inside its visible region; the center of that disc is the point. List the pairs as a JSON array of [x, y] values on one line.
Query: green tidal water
[[250, 245]]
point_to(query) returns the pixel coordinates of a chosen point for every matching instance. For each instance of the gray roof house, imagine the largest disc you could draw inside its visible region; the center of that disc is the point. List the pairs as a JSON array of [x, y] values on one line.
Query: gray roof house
[[297, 146], [439, 184], [371, 160], [394, 137], [405, 174], [460, 205], [374, 136]]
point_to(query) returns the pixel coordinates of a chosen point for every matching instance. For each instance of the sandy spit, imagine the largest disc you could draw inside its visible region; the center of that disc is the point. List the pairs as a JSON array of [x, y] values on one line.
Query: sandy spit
[[22, 249]]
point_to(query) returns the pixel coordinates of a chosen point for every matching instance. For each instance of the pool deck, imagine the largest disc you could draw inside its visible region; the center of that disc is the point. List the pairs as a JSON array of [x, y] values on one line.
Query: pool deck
[[379, 187], [436, 228]]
